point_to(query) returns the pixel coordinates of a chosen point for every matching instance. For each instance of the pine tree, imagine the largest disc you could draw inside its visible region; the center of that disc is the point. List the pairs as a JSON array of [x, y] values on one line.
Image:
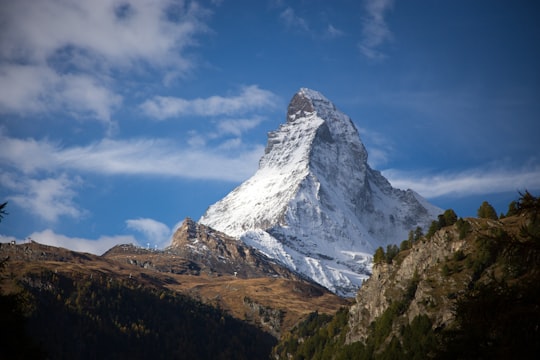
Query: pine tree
[[379, 255], [450, 217], [486, 211], [3, 210]]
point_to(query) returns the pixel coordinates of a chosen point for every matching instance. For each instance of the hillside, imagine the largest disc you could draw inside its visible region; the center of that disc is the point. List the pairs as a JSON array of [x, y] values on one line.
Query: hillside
[[468, 290], [138, 303]]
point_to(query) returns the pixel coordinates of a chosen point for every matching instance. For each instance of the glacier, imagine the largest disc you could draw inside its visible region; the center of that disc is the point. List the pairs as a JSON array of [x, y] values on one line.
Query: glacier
[[314, 204]]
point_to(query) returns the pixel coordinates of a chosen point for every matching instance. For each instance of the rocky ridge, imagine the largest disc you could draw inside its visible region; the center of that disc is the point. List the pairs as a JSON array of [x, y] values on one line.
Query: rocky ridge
[[468, 290], [315, 205], [417, 270], [216, 252]]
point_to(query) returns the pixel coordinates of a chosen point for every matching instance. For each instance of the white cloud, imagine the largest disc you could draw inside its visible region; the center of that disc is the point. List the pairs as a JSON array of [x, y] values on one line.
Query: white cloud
[[119, 32], [332, 32], [97, 246], [65, 54], [154, 231], [29, 89], [8, 239], [379, 147], [375, 31], [472, 182], [48, 198], [250, 98], [237, 126], [154, 157], [289, 17]]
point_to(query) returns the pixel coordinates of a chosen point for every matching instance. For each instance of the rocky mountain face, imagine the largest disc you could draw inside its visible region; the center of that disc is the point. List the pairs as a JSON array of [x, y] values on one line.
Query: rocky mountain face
[[467, 291], [416, 275], [315, 205], [216, 252]]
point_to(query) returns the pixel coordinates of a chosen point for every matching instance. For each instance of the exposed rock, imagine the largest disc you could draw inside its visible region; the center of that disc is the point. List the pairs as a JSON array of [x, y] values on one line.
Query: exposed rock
[[221, 254], [422, 265], [315, 205]]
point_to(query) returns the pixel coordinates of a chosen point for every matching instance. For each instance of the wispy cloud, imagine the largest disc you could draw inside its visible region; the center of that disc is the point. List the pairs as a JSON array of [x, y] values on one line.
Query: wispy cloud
[[48, 198], [375, 31], [237, 126], [58, 54], [94, 246], [250, 98], [293, 21], [380, 147], [471, 182], [155, 232], [145, 157], [332, 32]]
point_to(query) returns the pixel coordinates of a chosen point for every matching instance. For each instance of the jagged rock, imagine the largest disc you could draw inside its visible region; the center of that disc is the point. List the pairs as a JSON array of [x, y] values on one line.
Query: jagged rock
[[421, 264], [315, 205], [218, 253]]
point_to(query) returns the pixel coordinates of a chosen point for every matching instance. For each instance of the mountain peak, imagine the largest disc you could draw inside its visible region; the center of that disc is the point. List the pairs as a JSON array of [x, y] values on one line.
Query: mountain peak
[[307, 101], [315, 204]]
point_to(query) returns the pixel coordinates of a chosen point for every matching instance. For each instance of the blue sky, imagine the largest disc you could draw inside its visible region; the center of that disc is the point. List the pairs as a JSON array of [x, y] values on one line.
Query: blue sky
[[120, 118]]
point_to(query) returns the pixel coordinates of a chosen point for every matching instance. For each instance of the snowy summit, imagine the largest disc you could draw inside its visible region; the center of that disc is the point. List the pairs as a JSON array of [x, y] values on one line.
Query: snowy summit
[[314, 204]]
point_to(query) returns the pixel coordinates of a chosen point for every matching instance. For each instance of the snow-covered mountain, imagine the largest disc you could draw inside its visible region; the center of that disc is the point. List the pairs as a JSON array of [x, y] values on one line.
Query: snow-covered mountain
[[315, 204]]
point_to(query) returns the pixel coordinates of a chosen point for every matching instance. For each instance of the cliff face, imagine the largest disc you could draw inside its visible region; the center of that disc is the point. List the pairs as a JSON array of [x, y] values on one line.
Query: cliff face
[[469, 290], [216, 252], [417, 271], [438, 276]]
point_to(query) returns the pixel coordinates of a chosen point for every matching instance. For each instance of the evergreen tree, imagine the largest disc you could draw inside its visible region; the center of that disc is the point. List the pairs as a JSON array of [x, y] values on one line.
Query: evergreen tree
[[410, 238], [418, 233], [391, 252], [486, 211], [3, 210], [379, 255], [450, 217], [527, 202], [433, 229]]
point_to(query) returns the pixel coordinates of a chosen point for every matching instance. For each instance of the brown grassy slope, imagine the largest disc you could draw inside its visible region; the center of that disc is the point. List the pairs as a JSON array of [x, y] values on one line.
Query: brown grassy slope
[[274, 304]]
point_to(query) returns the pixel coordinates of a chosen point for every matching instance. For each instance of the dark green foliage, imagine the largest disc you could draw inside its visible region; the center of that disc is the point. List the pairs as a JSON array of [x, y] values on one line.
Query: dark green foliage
[[418, 233], [382, 326], [318, 337], [14, 338], [354, 351], [486, 211], [463, 227], [380, 329], [441, 221], [3, 210], [433, 228], [528, 203], [379, 256], [405, 245], [449, 217], [496, 322], [418, 340], [103, 318], [459, 255], [391, 252], [530, 206], [410, 291], [445, 270]]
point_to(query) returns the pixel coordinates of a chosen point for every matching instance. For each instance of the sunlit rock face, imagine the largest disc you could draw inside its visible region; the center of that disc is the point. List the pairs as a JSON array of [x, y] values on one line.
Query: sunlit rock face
[[315, 204]]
